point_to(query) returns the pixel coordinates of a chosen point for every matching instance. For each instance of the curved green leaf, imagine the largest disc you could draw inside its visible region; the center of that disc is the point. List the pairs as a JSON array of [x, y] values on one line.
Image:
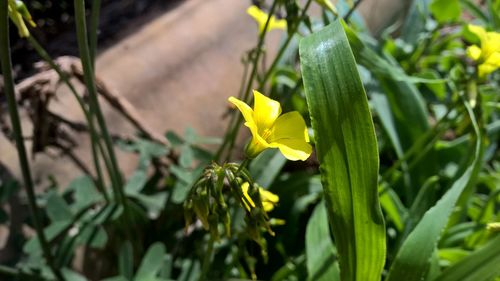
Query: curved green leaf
[[481, 265], [151, 263], [347, 151], [412, 259], [320, 252]]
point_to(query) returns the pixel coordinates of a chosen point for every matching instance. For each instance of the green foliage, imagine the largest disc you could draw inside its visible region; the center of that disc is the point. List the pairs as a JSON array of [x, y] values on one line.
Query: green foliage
[[320, 251], [403, 184], [445, 10], [347, 151]]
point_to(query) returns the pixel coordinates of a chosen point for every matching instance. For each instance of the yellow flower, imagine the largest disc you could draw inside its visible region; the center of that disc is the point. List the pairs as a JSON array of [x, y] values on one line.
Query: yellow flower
[[488, 55], [261, 17], [269, 199], [493, 226], [18, 13], [287, 132]]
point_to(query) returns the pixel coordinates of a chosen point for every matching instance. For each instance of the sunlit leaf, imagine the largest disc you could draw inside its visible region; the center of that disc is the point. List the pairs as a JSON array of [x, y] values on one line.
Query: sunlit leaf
[[347, 151]]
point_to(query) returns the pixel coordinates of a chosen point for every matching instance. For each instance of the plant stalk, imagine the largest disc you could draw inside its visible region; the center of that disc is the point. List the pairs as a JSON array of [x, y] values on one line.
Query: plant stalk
[[207, 259], [235, 128], [94, 107], [17, 130], [253, 74], [95, 144], [94, 27]]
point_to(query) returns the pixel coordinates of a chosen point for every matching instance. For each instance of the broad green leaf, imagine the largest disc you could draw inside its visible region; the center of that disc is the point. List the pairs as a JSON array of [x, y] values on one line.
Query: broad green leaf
[[190, 270], [136, 182], [186, 157], [185, 180], [412, 259], [481, 265], [393, 208], [445, 10], [320, 252], [166, 268], [57, 208], [347, 151], [32, 246], [452, 255], [151, 263], [85, 193]]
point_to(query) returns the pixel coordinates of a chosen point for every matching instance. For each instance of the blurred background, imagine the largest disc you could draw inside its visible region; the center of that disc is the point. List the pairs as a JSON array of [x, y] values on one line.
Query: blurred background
[[149, 51]]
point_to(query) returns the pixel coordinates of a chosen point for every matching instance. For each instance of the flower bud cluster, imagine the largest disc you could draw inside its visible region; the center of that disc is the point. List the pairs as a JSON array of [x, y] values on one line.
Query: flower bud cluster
[[218, 191]]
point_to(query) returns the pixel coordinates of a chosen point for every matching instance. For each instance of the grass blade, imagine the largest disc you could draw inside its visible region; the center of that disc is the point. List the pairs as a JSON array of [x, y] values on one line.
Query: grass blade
[[480, 265], [412, 260], [320, 251], [347, 151]]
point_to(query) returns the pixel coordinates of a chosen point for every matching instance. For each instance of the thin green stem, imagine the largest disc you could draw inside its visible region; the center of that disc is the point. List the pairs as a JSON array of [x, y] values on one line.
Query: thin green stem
[[253, 74], [351, 11], [94, 27], [83, 47], [284, 46], [93, 133], [17, 130], [17, 274], [5, 270], [260, 44], [417, 145], [243, 165], [207, 259], [237, 125]]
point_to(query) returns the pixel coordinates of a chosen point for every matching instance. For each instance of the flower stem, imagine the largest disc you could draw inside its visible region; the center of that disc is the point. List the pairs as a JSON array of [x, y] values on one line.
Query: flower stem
[[207, 260], [17, 129], [235, 119], [243, 165], [417, 145], [95, 144], [351, 10], [94, 27], [94, 108], [231, 137]]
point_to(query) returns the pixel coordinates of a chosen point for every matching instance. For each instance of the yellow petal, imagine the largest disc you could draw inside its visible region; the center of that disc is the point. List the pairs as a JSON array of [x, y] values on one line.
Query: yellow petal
[[493, 59], [244, 109], [265, 111], [494, 41], [485, 69], [261, 18], [244, 188], [258, 15], [293, 149], [268, 196], [268, 207], [479, 31], [474, 52], [290, 125], [276, 24]]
